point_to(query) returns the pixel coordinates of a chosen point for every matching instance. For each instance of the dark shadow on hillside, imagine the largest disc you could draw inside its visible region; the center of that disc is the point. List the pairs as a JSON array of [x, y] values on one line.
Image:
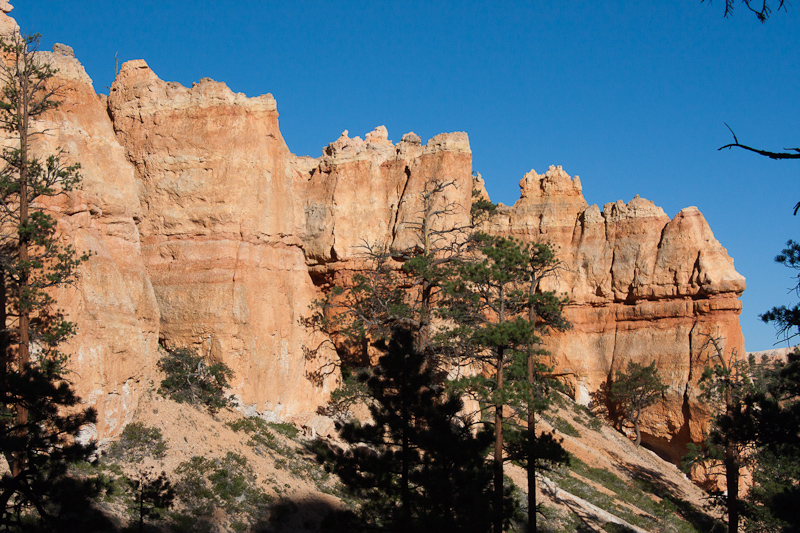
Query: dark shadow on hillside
[[654, 482], [312, 514]]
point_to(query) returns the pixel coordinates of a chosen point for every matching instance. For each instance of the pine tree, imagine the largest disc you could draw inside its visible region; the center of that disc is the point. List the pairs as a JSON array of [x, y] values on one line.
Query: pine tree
[[418, 466], [37, 437], [729, 385], [634, 390], [497, 312], [399, 287]]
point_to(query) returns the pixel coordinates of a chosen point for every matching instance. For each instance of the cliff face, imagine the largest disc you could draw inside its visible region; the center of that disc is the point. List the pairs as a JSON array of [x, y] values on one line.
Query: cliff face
[[207, 232], [641, 287], [222, 219], [113, 302]]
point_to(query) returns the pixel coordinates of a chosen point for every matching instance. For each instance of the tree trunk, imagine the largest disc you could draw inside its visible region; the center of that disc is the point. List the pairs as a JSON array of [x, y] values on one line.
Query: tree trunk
[[23, 353], [531, 418], [731, 470], [732, 484], [531, 453], [405, 496], [5, 341], [498, 449]]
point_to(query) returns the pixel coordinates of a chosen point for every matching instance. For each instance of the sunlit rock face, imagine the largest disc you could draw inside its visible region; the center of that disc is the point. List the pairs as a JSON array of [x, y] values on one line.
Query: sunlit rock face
[[221, 232], [112, 302], [641, 288], [206, 231]]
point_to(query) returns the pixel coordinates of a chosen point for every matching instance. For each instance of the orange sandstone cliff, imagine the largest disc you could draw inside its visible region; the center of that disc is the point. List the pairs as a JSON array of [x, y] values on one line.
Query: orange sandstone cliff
[[206, 231], [641, 287]]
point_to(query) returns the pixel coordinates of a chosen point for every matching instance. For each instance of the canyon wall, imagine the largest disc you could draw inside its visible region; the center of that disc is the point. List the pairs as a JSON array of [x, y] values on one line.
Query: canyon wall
[[206, 231], [641, 288]]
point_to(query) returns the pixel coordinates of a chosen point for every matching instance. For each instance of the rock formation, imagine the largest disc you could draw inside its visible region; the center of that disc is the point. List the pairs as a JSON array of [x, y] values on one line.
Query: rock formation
[[641, 288], [113, 302], [206, 231], [221, 232]]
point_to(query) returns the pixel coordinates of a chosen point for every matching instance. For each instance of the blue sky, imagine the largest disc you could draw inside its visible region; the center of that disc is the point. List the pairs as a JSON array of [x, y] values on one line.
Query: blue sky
[[630, 95]]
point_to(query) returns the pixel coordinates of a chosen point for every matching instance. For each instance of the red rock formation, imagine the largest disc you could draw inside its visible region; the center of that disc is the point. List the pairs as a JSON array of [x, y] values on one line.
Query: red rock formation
[[641, 288], [220, 232], [208, 232], [112, 302]]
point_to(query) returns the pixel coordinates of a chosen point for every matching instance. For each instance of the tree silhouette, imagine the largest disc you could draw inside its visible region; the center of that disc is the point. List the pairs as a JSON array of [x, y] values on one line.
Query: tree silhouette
[[761, 8], [772, 502], [729, 385], [419, 465], [497, 313]]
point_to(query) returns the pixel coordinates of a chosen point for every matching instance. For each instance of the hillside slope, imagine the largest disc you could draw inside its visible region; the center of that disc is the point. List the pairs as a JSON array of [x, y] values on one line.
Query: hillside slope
[[610, 483]]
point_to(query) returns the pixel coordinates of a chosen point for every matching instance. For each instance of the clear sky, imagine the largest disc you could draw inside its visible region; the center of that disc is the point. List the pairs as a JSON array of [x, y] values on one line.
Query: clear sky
[[632, 96]]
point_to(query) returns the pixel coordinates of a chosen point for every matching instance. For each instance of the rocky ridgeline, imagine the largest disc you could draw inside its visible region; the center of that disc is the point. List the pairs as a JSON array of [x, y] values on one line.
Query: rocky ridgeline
[[205, 230]]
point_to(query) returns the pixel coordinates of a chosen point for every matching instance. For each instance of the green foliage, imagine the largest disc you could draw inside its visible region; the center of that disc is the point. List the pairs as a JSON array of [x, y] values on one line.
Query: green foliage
[[192, 379], [284, 428], [731, 386], [498, 315], [786, 319], [634, 390], [352, 391], [137, 442], [256, 429], [565, 427], [587, 417], [482, 290], [417, 466], [771, 502], [152, 495], [667, 512], [229, 484]]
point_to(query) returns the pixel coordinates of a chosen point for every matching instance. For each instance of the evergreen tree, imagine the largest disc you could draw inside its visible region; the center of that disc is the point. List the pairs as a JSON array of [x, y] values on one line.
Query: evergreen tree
[[418, 466], [399, 287], [771, 504], [730, 385], [634, 390], [787, 319], [152, 496], [36, 436], [497, 313], [438, 282]]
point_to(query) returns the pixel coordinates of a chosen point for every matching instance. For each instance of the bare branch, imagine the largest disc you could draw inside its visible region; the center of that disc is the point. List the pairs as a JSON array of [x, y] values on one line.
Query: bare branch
[[790, 153]]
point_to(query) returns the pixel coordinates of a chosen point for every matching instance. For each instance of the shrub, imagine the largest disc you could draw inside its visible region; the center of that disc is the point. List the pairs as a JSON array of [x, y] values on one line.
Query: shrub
[[256, 429], [137, 442], [228, 483], [564, 427], [289, 430], [191, 379]]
